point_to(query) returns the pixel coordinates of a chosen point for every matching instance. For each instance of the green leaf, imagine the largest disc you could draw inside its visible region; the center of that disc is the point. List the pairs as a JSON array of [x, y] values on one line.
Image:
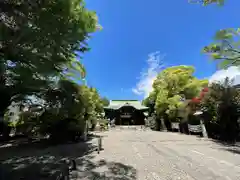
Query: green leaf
[[216, 55]]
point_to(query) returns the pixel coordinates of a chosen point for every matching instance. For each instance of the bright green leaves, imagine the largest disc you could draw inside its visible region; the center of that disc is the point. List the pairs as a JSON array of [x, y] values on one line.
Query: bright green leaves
[[92, 102], [225, 34], [174, 103], [174, 78], [73, 100], [216, 55], [171, 87], [207, 2], [75, 70]]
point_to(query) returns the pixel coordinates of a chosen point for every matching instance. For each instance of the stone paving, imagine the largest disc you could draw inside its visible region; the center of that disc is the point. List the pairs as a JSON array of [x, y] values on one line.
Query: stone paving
[[149, 155]]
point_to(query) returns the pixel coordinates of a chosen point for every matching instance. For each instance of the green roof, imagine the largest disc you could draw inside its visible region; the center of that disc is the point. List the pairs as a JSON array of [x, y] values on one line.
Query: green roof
[[117, 104]]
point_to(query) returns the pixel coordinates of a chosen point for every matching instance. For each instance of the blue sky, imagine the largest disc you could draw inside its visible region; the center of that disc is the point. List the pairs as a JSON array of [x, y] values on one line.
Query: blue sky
[[118, 64]]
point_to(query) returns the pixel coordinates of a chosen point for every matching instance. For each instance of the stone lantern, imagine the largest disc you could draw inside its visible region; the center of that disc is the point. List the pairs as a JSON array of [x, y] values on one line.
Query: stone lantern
[[204, 131]]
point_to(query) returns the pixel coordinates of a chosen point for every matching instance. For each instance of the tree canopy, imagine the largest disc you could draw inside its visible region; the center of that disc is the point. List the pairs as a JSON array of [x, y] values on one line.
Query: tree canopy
[[62, 114], [172, 86], [41, 45], [41, 41]]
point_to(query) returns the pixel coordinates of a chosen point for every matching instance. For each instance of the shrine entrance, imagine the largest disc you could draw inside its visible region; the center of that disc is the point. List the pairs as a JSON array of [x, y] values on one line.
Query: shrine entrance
[[129, 113]]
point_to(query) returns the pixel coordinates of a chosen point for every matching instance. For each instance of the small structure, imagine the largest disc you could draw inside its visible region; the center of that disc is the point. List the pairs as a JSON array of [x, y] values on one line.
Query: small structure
[[204, 131], [126, 112]]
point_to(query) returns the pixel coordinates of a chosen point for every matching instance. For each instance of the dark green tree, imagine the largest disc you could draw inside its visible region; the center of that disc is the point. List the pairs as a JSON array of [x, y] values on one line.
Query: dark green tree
[[221, 106], [39, 42], [67, 108]]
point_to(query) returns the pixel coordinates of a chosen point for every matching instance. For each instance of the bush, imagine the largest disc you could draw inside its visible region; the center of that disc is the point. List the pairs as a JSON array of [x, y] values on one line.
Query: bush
[[27, 124], [65, 130], [152, 123], [103, 124], [221, 105], [54, 125]]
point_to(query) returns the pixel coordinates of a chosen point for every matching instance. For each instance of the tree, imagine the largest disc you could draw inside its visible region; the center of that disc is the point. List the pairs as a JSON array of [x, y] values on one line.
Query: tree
[[172, 86], [175, 84], [150, 102], [92, 103], [194, 104], [226, 47], [97, 101], [68, 107], [105, 101], [221, 105], [40, 40]]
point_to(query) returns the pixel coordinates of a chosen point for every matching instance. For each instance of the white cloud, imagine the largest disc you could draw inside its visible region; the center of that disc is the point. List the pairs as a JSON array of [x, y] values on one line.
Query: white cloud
[[148, 75], [232, 72]]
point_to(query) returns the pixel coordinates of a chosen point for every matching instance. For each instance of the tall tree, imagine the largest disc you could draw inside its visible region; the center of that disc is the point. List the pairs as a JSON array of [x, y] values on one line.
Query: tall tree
[[39, 41], [221, 104], [172, 86]]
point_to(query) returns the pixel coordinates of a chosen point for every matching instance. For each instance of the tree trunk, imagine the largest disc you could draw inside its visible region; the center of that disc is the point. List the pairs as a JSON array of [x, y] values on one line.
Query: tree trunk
[[85, 131], [5, 103]]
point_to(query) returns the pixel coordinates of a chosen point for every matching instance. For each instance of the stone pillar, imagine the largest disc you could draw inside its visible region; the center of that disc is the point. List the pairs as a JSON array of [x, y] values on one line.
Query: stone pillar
[[204, 131]]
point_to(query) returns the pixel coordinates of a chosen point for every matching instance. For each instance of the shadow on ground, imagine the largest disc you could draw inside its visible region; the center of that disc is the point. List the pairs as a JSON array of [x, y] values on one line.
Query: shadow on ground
[[103, 170], [235, 150], [35, 161], [227, 146], [40, 161]]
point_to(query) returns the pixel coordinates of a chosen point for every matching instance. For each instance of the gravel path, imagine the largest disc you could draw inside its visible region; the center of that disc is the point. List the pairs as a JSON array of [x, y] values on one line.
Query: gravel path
[[149, 155]]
